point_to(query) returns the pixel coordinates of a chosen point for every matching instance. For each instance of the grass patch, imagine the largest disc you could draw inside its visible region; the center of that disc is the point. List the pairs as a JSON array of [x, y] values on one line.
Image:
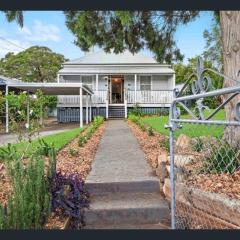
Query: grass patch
[[59, 140], [191, 130]]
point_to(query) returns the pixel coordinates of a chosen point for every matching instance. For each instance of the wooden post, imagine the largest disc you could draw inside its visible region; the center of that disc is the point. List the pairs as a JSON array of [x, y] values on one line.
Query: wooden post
[[80, 108], [135, 88], [96, 82], [106, 108], [7, 111], [90, 116], [87, 108]]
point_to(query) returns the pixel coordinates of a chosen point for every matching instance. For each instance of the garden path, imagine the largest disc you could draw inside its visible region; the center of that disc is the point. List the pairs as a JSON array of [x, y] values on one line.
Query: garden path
[[124, 192]]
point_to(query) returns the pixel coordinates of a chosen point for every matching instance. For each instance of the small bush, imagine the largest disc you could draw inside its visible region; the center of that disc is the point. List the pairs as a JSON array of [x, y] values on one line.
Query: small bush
[[198, 145], [69, 195], [81, 141], [136, 111], [165, 144], [150, 131], [30, 203], [9, 153], [44, 148], [73, 152]]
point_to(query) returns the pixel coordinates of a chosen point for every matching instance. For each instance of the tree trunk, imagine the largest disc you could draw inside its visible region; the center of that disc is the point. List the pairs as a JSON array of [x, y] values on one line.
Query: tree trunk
[[230, 33]]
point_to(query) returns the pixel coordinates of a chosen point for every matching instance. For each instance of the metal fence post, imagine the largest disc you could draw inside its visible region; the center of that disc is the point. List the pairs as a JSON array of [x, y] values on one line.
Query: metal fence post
[[172, 177]]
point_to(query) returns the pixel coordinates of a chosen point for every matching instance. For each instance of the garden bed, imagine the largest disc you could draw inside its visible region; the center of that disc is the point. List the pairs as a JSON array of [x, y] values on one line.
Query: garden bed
[[70, 159]]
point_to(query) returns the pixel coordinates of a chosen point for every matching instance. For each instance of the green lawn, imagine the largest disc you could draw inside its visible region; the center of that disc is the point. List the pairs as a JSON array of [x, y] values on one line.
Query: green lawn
[[191, 130], [59, 140]]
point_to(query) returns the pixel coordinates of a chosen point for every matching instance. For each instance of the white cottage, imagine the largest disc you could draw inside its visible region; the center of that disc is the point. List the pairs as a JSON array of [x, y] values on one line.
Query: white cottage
[[119, 82]]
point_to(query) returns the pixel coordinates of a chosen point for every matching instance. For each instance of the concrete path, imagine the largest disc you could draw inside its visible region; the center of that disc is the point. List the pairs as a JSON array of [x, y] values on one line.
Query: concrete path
[[124, 191]]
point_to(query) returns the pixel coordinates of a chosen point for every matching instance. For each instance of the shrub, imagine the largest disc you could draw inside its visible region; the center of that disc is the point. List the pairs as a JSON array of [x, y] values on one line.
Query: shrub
[[223, 159], [198, 145], [165, 144], [136, 110], [69, 195], [44, 148], [150, 131], [9, 153], [73, 152], [81, 141], [29, 205], [98, 120]]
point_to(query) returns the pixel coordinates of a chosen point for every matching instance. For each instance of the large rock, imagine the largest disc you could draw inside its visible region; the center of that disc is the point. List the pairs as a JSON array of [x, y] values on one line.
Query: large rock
[[163, 158], [181, 160], [183, 143], [161, 171]]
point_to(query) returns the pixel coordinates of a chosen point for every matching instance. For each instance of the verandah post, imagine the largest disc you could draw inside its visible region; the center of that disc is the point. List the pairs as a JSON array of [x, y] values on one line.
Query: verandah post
[[87, 108], [80, 108], [135, 88]]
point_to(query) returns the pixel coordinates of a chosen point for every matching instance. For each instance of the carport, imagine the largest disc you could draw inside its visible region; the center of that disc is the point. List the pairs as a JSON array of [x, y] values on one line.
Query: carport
[[53, 89]]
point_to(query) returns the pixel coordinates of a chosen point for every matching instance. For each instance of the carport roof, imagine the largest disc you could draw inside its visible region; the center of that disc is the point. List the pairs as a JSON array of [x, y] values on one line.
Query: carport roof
[[51, 88]]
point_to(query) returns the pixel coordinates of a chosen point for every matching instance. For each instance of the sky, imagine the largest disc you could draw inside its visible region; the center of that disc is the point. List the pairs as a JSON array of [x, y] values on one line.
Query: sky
[[47, 28]]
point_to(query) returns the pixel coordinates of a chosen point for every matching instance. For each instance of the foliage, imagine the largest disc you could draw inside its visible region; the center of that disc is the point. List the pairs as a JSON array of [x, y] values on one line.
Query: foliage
[[18, 104], [97, 121], [82, 140], [35, 64], [8, 153], [183, 72], [73, 152], [15, 16], [198, 144], [131, 30], [213, 48], [150, 131], [69, 195], [44, 147], [165, 144], [29, 205], [136, 110], [224, 158], [137, 120]]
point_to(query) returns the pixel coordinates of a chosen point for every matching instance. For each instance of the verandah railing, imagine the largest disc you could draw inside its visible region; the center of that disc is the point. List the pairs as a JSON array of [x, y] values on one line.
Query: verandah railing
[[150, 96]]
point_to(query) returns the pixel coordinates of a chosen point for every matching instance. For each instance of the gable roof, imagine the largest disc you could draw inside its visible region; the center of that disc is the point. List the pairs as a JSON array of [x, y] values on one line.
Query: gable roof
[[113, 58]]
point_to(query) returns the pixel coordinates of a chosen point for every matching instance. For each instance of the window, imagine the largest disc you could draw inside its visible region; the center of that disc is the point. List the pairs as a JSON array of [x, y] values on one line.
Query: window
[[145, 83], [87, 80]]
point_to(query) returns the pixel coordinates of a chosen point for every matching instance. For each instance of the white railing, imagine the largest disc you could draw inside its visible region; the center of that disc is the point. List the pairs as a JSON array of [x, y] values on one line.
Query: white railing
[[151, 96], [99, 97]]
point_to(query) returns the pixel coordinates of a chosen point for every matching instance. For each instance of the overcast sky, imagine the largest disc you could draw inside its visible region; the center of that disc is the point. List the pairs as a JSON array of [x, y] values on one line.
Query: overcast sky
[[47, 28]]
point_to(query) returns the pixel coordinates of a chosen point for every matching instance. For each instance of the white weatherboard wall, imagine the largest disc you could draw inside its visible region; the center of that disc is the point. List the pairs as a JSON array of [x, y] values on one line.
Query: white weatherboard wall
[[129, 82]]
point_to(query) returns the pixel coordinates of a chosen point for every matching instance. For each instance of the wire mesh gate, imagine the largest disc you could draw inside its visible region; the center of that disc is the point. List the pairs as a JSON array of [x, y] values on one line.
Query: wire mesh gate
[[204, 181]]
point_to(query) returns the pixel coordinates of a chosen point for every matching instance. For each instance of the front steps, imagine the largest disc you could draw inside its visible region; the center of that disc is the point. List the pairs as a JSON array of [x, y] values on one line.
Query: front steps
[[124, 192], [116, 111], [127, 210]]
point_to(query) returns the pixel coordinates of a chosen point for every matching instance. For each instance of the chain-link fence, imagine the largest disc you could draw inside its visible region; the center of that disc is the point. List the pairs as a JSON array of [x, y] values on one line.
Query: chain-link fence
[[204, 180]]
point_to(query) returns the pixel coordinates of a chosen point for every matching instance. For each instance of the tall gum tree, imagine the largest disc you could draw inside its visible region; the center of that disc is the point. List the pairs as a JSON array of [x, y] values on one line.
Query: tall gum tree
[[230, 34]]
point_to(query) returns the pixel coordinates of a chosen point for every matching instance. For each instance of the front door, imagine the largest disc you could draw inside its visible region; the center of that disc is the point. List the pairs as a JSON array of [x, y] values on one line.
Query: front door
[[117, 83]]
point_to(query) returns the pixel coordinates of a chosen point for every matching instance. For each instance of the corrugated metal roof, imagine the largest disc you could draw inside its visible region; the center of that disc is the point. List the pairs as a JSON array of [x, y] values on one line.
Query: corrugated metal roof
[[116, 70], [4, 80], [112, 58]]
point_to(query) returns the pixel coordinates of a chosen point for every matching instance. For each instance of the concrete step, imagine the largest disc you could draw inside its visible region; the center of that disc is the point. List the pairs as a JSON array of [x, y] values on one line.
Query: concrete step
[[162, 225], [130, 208], [141, 186]]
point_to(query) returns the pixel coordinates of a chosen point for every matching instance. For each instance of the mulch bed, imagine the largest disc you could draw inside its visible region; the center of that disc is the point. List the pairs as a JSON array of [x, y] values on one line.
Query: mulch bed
[[223, 183], [149, 144], [70, 164], [5, 185]]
